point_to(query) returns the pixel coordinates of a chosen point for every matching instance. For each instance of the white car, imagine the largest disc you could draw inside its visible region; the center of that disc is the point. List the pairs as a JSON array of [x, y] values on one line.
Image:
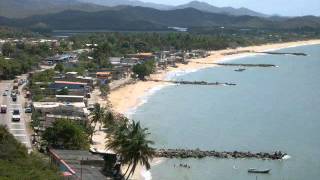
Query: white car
[[5, 93], [16, 115]]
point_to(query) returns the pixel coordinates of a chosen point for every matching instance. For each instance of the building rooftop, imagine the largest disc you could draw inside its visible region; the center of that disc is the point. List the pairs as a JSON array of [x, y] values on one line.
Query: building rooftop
[[84, 77], [72, 73], [69, 96], [82, 164], [67, 82], [64, 117], [57, 104], [103, 73]]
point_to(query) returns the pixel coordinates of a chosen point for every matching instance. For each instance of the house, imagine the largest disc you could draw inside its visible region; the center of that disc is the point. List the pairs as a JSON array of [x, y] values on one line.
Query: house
[[121, 72], [142, 56], [104, 77], [129, 61], [85, 79], [199, 53], [64, 58], [51, 118], [51, 111], [80, 164], [74, 88], [69, 98], [115, 60], [74, 77], [71, 75]]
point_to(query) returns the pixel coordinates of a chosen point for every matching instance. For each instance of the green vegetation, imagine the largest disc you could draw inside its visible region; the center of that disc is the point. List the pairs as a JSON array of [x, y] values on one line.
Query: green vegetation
[[59, 67], [9, 32], [19, 58], [120, 44], [96, 116], [63, 91], [129, 140], [144, 69], [44, 78], [104, 89], [16, 163], [66, 134]]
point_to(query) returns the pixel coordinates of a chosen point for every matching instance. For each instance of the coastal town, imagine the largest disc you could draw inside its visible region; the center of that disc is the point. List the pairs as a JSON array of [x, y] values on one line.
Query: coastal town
[[163, 90], [35, 101], [29, 107]]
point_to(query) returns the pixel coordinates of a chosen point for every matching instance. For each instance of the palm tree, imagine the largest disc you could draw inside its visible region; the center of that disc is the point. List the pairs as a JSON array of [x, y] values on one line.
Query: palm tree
[[97, 116], [129, 140]]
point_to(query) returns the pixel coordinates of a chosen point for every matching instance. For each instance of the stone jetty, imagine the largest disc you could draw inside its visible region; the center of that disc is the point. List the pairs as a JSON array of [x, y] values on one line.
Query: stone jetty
[[197, 153], [240, 64], [284, 53], [194, 82]]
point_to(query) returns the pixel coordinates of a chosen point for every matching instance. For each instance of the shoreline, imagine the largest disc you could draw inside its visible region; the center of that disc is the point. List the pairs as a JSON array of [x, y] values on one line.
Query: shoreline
[[127, 99]]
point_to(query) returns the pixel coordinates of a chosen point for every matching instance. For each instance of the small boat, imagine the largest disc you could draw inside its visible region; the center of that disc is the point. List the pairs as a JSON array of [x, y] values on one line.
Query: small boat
[[240, 70], [254, 170]]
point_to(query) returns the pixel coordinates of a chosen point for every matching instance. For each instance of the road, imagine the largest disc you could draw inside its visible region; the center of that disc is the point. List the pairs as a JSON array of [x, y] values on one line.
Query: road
[[18, 129]]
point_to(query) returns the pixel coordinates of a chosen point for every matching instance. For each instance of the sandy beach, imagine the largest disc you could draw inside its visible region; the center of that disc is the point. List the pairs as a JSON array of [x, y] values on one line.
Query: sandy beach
[[126, 99]]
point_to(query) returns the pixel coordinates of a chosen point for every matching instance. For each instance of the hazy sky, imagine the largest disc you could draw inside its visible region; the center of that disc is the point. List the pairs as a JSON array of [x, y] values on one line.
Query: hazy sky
[[281, 7]]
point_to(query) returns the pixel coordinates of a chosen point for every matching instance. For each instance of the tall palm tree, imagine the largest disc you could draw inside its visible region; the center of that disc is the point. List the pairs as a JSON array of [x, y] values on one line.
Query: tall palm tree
[[131, 143], [96, 116]]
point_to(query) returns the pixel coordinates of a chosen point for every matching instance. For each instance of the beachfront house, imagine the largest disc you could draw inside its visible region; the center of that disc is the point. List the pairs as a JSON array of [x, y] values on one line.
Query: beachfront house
[[116, 73], [199, 53], [80, 164], [103, 77], [121, 72]]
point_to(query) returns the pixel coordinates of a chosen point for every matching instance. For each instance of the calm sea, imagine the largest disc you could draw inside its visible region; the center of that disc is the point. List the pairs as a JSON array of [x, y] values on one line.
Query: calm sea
[[269, 109]]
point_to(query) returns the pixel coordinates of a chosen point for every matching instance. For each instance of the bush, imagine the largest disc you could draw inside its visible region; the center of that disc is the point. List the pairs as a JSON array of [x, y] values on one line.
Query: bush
[[16, 163]]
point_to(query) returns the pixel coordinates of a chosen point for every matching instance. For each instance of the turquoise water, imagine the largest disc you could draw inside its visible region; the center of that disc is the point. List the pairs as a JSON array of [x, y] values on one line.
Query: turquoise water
[[269, 109]]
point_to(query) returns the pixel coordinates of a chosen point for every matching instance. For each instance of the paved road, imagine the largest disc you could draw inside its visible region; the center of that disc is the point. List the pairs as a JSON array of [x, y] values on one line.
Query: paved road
[[18, 129]]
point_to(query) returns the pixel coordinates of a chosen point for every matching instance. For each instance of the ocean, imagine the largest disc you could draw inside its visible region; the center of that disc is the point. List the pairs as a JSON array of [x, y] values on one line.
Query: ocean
[[269, 109]]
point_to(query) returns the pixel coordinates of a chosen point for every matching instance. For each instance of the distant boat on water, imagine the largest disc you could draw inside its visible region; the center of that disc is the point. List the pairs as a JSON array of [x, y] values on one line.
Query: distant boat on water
[[263, 171], [240, 70]]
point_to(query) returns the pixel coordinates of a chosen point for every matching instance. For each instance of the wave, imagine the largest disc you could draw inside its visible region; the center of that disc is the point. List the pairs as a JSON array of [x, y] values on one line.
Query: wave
[[146, 175], [286, 157], [177, 73], [144, 99]]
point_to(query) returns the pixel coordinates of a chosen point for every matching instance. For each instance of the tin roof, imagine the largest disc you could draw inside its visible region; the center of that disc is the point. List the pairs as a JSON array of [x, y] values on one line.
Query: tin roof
[[68, 82]]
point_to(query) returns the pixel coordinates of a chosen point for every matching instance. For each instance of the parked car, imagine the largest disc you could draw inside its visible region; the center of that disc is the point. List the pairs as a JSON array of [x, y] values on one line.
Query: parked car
[[28, 110], [5, 94], [3, 108]]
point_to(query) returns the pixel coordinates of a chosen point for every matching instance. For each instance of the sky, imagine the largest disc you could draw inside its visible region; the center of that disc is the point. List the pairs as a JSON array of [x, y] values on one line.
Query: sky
[[279, 7]]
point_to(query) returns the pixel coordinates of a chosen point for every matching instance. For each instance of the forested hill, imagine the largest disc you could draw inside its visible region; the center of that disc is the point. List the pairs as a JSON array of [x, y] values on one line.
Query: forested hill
[[140, 18]]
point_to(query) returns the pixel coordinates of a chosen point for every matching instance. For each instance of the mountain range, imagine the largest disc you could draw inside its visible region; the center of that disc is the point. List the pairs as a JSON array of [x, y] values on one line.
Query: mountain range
[[149, 19], [25, 8]]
